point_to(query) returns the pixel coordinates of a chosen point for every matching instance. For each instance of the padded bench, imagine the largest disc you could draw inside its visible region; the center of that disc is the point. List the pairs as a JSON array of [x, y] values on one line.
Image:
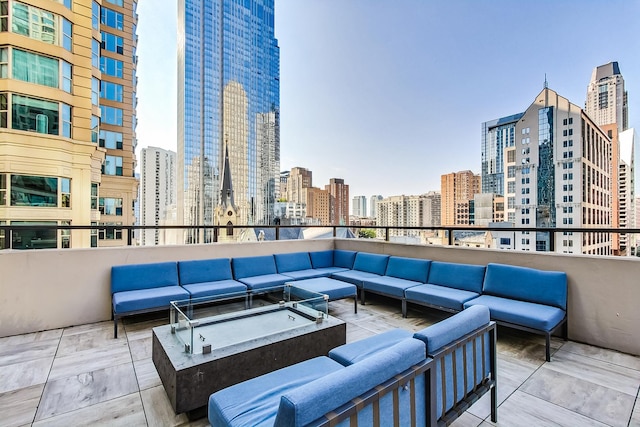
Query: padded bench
[[335, 289]]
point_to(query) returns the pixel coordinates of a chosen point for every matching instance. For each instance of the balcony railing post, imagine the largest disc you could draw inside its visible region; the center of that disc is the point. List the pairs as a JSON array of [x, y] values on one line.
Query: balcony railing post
[[386, 234], [277, 232], [552, 241], [129, 235], [450, 236], [215, 234], [335, 231]]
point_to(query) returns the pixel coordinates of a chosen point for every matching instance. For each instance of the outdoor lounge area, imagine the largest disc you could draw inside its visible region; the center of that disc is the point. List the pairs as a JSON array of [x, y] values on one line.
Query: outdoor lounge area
[[60, 365]]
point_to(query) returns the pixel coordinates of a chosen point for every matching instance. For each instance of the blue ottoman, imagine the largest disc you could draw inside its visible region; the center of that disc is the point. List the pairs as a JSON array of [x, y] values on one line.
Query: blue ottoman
[[335, 289]]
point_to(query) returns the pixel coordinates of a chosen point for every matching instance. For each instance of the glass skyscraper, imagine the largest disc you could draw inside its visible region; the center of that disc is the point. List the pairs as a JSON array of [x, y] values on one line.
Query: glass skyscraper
[[497, 136], [228, 97]]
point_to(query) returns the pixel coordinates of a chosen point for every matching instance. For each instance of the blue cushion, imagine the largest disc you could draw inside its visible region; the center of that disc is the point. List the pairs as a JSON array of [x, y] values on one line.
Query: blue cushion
[[204, 270], [371, 263], [538, 286], [265, 281], [219, 287], [309, 402], [354, 276], [388, 285], [292, 262], [529, 314], [253, 266], [144, 299], [453, 328], [143, 276], [321, 259], [413, 269], [343, 259], [255, 402], [440, 296], [460, 276], [306, 274], [328, 271], [348, 354], [335, 289]]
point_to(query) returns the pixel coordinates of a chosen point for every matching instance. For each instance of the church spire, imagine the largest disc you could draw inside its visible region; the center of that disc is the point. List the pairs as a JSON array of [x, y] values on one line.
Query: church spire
[[226, 191]]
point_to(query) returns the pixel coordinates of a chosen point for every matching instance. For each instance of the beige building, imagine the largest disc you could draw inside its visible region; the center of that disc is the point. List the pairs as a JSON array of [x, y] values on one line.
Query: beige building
[[298, 179], [67, 122], [338, 201], [408, 211], [318, 204], [457, 189]]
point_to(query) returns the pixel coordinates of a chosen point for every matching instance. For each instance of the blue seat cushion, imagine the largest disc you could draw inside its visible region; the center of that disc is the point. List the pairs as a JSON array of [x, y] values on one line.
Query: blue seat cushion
[[348, 354], [144, 299], [528, 314], [413, 269], [204, 270], [320, 259], [309, 273], [335, 289], [255, 402], [292, 262], [344, 259], [537, 286], [219, 287], [265, 281], [328, 271], [371, 263], [143, 276], [460, 276], [354, 276], [388, 285], [440, 296], [308, 403], [253, 266]]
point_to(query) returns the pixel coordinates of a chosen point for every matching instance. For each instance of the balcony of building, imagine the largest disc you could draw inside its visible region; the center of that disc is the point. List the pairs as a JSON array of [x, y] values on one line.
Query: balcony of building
[[60, 365]]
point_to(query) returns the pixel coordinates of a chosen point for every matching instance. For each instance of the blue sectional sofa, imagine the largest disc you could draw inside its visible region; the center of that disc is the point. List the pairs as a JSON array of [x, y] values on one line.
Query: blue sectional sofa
[[332, 261], [297, 266], [208, 277], [525, 298], [391, 378], [139, 288], [365, 266], [258, 272]]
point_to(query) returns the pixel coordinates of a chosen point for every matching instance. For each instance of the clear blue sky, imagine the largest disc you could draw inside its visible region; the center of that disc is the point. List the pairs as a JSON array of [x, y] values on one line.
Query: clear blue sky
[[391, 94]]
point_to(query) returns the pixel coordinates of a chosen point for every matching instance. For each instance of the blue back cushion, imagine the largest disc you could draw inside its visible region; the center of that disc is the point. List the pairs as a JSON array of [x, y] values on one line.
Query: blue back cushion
[[371, 263], [526, 284], [466, 277], [343, 259], [292, 262], [253, 266], [143, 276], [204, 270], [453, 328], [321, 259], [304, 404], [408, 268]]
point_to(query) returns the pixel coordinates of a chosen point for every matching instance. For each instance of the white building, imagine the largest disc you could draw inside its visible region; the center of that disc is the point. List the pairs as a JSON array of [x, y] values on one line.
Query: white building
[[373, 203], [157, 195], [359, 206], [408, 211]]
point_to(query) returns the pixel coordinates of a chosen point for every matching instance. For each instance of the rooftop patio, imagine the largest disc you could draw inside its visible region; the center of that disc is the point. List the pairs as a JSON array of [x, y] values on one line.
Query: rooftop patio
[[82, 376]]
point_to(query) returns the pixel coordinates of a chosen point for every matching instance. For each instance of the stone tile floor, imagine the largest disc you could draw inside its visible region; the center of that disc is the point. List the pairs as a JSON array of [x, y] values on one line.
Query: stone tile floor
[[81, 376]]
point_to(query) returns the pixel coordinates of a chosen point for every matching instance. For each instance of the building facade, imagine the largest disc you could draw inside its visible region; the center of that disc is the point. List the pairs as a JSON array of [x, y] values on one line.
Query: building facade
[[299, 179], [157, 195], [338, 201], [457, 190], [497, 137], [408, 211], [359, 206], [373, 203], [228, 98], [67, 128]]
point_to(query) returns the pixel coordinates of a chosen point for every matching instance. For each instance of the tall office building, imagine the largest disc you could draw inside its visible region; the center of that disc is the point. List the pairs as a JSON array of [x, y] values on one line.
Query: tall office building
[[409, 211], [359, 206], [228, 98], [68, 88], [338, 201], [373, 203], [157, 194], [497, 137], [318, 205], [607, 105], [299, 179], [457, 190], [563, 177]]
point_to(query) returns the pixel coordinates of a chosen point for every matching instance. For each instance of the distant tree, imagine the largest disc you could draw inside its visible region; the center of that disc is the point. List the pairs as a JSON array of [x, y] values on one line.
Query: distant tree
[[366, 233]]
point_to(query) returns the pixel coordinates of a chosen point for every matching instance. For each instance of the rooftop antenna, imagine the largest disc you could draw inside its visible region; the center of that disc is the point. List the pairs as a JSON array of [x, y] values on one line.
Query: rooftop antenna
[[546, 83]]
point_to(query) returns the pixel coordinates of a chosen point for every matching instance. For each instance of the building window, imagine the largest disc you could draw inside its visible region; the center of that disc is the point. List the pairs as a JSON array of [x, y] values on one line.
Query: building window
[[3, 189], [116, 2], [112, 18], [94, 195], [95, 91], [112, 140], [94, 235], [95, 125], [112, 165], [95, 15], [4, 21], [67, 76], [4, 105], [110, 233], [110, 66], [111, 115], [112, 43], [4, 63], [65, 235], [66, 120], [96, 60], [34, 23], [34, 191], [27, 238], [110, 206], [34, 115], [67, 35], [111, 91], [34, 68]]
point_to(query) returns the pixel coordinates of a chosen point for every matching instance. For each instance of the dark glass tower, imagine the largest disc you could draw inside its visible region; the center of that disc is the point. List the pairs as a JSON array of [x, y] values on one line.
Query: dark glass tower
[[228, 98]]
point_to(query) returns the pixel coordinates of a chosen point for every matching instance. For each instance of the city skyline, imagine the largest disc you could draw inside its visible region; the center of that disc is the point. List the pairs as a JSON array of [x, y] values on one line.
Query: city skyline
[[445, 68]]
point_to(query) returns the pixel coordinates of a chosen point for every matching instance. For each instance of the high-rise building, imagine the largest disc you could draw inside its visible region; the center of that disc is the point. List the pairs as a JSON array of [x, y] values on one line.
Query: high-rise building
[[298, 180], [157, 194], [359, 206], [607, 105], [409, 211], [318, 204], [563, 177], [626, 186], [497, 137], [228, 98], [67, 128], [457, 190], [338, 201], [373, 203]]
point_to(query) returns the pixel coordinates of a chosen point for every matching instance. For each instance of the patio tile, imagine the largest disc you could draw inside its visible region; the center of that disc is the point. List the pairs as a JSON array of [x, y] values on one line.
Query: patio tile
[[86, 389], [466, 420], [603, 354], [580, 395], [17, 353], [146, 374], [141, 348], [635, 417], [91, 360], [89, 337], [31, 338], [158, 409], [18, 407], [24, 374], [125, 411]]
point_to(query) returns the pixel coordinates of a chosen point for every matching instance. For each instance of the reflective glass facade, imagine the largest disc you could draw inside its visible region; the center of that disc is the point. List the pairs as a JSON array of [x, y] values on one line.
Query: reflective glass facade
[[229, 95], [496, 136]]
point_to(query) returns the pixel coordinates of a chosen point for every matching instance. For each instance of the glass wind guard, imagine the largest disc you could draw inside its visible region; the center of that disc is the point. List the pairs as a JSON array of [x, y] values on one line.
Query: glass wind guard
[[181, 325], [310, 302]]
